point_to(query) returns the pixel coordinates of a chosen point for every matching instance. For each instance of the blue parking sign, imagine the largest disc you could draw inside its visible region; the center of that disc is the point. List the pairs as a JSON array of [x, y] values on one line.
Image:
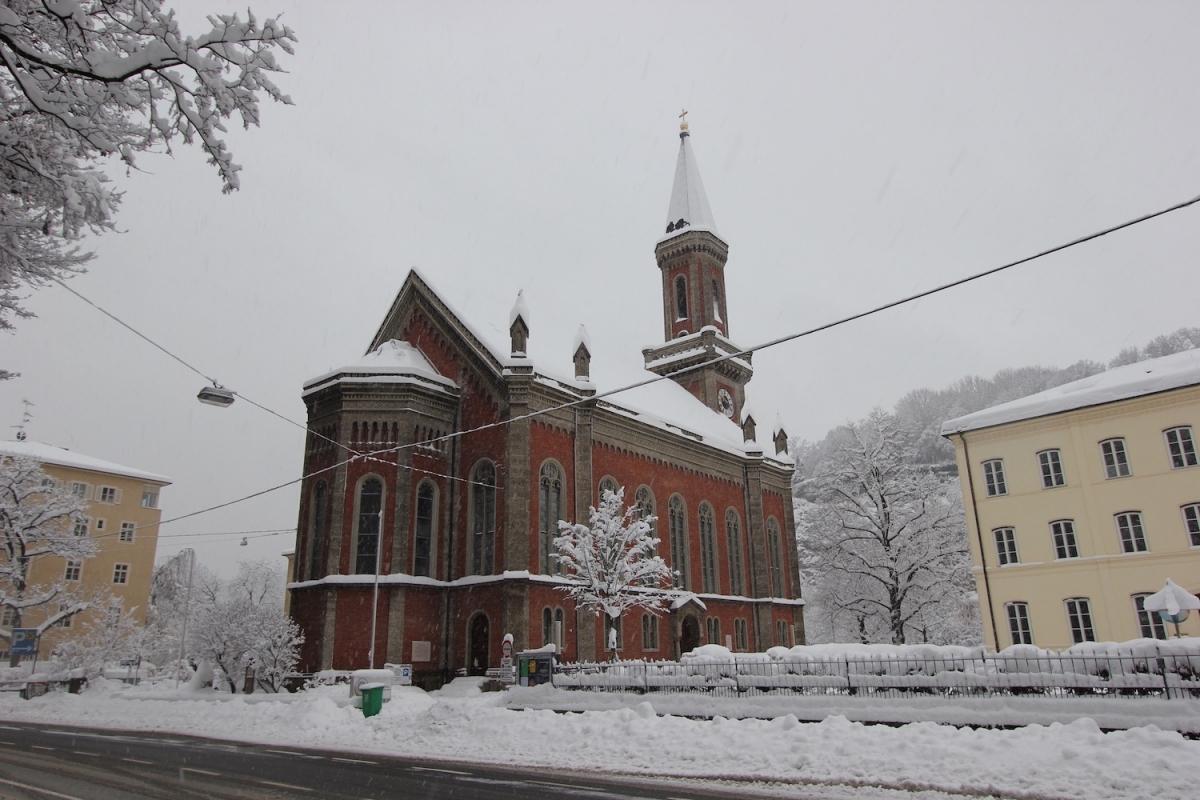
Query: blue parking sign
[[24, 642]]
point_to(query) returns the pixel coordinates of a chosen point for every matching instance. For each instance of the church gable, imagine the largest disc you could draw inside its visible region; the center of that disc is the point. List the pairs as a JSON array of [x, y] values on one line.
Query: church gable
[[421, 318]]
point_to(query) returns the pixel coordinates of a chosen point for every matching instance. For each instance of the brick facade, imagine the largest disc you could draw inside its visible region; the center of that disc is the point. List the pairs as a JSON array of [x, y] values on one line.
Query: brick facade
[[462, 563]]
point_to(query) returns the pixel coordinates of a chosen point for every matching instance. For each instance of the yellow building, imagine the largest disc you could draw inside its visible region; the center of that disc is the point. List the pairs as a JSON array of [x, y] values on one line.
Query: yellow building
[[123, 515], [1083, 499]]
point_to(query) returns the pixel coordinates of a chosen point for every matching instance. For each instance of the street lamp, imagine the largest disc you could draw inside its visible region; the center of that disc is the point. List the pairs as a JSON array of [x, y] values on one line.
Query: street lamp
[[1172, 602], [215, 395]]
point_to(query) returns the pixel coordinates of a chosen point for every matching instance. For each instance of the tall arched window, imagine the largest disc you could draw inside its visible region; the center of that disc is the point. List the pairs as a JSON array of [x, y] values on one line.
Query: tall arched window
[[678, 527], [733, 535], [425, 521], [681, 304], [483, 518], [716, 300], [607, 485], [708, 551], [316, 549], [550, 489], [370, 507], [547, 626], [775, 549]]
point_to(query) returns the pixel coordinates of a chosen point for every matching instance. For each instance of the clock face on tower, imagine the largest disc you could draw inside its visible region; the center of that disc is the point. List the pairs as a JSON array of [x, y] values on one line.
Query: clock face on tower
[[725, 402]]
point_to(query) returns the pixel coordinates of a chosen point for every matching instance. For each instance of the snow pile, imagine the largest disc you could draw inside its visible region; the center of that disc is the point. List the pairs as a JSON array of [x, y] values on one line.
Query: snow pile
[[1075, 760]]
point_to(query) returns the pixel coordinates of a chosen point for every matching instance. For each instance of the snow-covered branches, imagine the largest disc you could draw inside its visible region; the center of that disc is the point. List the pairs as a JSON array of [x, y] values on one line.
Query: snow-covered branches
[[39, 518], [611, 564], [83, 79], [883, 546]]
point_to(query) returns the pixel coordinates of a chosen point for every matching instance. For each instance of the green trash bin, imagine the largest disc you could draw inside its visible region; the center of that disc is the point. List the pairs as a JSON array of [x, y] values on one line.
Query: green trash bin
[[372, 698]]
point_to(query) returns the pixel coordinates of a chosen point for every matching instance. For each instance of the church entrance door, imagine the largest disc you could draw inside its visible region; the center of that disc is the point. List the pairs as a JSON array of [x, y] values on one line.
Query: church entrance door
[[477, 659], [689, 635]]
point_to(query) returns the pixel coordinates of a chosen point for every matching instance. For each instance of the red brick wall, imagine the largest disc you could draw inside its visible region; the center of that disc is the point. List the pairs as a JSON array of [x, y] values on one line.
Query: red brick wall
[[352, 636]]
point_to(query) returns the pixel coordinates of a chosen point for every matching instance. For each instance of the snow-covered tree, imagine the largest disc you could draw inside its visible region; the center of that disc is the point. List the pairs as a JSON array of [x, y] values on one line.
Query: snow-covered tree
[[39, 519], [81, 80], [611, 565], [883, 544], [240, 623], [101, 641]]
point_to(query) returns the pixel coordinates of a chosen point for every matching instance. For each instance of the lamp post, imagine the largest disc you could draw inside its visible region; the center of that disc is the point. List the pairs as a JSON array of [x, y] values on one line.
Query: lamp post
[[375, 595], [187, 601], [1173, 603]]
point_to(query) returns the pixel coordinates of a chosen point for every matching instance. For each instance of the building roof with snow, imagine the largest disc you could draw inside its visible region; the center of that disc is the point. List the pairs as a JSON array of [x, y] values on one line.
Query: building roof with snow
[[394, 361], [61, 457], [1155, 375], [688, 209]]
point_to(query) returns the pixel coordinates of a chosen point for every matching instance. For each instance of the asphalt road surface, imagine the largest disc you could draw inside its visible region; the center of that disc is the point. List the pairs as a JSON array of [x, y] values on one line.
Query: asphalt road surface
[[49, 762]]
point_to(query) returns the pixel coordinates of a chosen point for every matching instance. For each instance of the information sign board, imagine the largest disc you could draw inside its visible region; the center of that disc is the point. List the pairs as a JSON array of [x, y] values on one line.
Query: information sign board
[[24, 642]]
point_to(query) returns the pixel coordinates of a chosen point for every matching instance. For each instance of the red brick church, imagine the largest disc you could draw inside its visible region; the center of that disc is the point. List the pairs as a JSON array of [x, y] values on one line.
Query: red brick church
[[460, 483]]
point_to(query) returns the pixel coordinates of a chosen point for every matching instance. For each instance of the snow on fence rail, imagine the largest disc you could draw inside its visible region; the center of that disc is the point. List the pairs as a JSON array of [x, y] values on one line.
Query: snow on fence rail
[[1142, 667]]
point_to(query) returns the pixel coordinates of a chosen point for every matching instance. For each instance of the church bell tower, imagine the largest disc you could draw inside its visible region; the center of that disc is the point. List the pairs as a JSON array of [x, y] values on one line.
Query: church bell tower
[[691, 257]]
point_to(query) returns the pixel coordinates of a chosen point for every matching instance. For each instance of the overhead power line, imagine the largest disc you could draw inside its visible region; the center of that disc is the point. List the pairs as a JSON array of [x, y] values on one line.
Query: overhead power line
[[749, 350]]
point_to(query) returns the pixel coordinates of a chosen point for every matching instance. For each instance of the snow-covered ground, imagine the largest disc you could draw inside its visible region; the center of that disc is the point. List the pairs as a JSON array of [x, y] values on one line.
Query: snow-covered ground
[[630, 735]]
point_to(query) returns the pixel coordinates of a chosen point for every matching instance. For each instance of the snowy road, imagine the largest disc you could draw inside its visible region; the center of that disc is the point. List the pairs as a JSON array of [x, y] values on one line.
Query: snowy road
[[84, 764]]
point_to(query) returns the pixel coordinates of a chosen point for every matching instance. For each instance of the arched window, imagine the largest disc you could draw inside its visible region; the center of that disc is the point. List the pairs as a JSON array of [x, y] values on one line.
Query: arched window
[[425, 521], [560, 629], [708, 552], [649, 631], [733, 535], [483, 518], [678, 536], [681, 309], [547, 626], [712, 627], [606, 485], [550, 489], [316, 550], [716, 297], [775, 557], [370, 509]]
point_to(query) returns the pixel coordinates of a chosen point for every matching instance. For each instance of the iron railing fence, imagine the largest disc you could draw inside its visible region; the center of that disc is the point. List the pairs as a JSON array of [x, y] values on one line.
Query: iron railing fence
[[1132, 674]]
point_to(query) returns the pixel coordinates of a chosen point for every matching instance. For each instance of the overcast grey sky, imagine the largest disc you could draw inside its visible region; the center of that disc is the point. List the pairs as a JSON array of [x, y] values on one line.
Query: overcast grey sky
[[852, 153]]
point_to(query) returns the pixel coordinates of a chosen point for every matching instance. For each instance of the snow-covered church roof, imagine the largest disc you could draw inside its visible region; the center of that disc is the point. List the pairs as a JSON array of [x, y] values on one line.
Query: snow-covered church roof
[[1120, 383], [688, 200], [393, 361], [62, 457]]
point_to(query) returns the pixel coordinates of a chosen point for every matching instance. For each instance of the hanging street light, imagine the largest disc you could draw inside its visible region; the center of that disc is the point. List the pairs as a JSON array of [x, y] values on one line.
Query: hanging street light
[[216, 395]]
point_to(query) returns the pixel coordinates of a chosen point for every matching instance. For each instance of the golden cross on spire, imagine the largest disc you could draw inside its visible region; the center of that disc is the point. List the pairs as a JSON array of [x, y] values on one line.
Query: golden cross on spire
[[683, 126]]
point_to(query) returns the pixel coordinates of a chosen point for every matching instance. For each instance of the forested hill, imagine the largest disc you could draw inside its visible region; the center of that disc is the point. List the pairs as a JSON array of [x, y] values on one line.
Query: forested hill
[[921, 412]]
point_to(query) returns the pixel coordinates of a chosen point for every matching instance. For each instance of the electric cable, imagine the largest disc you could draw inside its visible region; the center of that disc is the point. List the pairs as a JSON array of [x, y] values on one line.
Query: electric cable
[[747, 351]]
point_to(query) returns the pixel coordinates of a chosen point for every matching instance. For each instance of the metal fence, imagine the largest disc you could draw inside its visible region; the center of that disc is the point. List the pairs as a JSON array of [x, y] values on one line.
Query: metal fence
[[1132, 674]]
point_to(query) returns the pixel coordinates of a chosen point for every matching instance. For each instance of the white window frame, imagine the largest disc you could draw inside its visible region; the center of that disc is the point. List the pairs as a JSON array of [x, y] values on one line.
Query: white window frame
[[73, 568], [1020, 629], [150, 497], [113, 499], [1148, 621], [1050, 462], [120, 574], [1181, 447], [82, 527], [127, 530], [100, 523], [1131, 532], [1006, 545], [993, 477], [1191, 522], [81, 490], [1062, 531], [1115, 457], [1079, 619]]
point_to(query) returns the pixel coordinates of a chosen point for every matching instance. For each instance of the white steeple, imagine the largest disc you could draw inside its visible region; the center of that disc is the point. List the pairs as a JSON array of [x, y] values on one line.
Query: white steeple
[[688, 200]]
